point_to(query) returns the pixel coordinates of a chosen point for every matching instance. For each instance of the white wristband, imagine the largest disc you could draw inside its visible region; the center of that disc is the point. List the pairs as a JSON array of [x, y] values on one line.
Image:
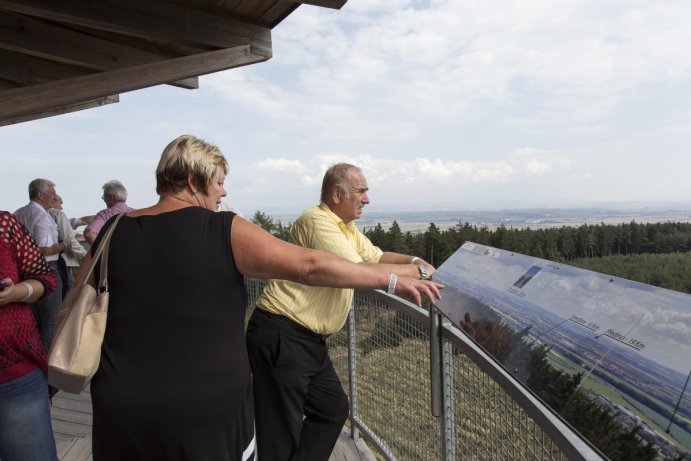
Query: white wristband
[[30, 291], [415, 258], [392, 284]]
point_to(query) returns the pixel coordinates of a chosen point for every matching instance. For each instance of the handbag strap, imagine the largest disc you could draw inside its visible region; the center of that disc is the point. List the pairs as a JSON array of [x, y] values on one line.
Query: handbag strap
[[102, 250]]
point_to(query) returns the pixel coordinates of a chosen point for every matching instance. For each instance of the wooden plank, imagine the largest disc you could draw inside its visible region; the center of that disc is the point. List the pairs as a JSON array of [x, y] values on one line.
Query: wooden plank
[[40, 39], [335, 4], [40, 98], [70, 429], [84, 396], [79, 451], [61, 110], [72, 405], [151, 20], [63, 444], [5, 85], [27, 70], [71, 416]]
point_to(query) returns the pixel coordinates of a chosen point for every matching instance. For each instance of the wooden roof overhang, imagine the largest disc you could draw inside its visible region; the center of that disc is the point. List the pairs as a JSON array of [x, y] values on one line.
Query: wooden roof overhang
[[59, 56]]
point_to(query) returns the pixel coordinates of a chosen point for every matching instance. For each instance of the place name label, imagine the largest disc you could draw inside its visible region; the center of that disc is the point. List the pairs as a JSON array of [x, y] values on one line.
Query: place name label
[[584, 323], [631, 342]]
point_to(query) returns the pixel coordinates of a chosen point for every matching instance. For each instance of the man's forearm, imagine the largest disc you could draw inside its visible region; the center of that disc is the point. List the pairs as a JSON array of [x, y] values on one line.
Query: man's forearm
[[405, 265], [53, 249], [89, 236], [390, 257]]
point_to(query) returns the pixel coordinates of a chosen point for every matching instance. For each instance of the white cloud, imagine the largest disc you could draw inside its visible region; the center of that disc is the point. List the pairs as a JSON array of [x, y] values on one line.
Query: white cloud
[[282, 165], [531, 152], [440, 99], [539, 162], [454, 58], [252, 91]]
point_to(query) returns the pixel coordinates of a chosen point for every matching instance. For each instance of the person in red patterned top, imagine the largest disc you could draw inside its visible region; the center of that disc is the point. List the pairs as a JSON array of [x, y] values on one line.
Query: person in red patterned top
[[25, 427]]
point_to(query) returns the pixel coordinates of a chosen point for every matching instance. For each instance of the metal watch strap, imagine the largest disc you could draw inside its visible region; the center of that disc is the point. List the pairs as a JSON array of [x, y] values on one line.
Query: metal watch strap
[[423, 272]]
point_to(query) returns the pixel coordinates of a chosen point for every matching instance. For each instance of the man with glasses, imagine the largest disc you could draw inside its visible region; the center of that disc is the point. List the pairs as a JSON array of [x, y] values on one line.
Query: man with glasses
[[300, 405], [115, 196]]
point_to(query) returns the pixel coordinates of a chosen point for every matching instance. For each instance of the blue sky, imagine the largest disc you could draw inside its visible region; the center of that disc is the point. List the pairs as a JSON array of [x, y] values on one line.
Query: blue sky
[[445, 104]]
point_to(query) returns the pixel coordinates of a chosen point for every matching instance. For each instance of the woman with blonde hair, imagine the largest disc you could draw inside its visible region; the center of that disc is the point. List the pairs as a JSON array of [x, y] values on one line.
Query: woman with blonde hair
[[174, 379]]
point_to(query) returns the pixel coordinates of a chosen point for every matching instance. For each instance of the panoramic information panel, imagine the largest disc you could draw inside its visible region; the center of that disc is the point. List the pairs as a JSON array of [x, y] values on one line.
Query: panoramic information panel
[[611, 356]]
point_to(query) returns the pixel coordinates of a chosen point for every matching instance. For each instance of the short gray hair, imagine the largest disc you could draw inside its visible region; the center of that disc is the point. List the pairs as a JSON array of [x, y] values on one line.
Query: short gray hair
[[337, 175], [116, 190], [38, 186]]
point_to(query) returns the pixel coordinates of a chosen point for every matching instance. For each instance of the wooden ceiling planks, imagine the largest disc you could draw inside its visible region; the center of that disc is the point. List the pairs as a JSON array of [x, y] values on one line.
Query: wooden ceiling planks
[[57, 57]]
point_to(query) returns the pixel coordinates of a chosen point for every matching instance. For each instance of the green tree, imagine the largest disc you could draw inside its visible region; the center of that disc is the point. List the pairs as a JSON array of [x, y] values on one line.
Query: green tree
[[264, 221], [432, 238], [396, 241], [377, 236]]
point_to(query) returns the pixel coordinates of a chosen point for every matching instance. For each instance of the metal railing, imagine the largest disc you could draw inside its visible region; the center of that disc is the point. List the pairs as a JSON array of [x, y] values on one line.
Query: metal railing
[[421, 390]]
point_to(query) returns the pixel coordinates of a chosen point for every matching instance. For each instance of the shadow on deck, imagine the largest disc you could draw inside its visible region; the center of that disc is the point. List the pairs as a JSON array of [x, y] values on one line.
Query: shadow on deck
[[71, 416]]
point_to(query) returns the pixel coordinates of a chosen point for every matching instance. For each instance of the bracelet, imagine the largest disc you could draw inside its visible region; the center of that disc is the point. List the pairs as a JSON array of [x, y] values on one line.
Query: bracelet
[[392, 284], [30, 291], [415, 258]]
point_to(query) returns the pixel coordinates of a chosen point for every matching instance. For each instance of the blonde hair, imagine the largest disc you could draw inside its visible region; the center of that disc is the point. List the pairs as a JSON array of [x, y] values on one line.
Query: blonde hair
[[188, 157]]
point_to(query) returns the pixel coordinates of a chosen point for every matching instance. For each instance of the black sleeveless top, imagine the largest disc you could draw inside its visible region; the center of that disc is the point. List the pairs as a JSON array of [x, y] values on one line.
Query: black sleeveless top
[[174, 378]]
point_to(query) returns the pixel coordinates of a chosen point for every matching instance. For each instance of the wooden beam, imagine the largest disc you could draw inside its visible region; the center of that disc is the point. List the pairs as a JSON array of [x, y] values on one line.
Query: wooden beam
[[53, 43], [35, 99], [335, 4], [151, 20], [7, 85], [62, 110], [27, 70]]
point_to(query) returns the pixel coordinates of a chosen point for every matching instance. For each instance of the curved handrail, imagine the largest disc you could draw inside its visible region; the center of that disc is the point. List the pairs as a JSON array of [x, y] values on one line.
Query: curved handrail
[[569, 443]]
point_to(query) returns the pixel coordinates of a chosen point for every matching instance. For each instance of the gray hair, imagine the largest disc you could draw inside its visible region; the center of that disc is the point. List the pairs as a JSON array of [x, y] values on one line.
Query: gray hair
[[116, 190], [337, 176], [38, 186]]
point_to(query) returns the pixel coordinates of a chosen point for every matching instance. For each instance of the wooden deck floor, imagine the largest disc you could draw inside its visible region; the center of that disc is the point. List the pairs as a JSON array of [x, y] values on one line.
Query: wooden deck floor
[[71, 415]]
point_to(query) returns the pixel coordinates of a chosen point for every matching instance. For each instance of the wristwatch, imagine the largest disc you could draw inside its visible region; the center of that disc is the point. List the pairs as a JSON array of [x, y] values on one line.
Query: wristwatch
[[423, 272]]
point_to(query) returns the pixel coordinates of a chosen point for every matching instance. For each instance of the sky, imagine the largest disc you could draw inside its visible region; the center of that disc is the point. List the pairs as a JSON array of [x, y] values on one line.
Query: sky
[[444, 104]]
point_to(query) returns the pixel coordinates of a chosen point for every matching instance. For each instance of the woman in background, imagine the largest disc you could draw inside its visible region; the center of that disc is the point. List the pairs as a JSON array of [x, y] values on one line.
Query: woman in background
[[26, 433], [174, 378]]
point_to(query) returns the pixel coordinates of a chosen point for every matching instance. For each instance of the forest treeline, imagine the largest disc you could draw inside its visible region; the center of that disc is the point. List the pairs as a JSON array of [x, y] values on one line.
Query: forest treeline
[[658, 254]]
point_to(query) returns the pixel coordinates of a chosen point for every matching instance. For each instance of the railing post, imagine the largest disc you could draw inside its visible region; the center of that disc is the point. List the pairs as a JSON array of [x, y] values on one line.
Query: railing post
[[441, 382], [448, 416], [435, 360], [352, 371]]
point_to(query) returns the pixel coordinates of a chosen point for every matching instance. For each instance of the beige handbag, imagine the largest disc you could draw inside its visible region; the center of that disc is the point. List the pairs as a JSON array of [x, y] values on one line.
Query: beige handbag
[[80, 325]]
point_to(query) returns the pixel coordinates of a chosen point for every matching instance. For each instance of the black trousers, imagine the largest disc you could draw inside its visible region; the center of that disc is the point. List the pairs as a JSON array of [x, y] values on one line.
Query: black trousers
[[299, 403], [63, 272]]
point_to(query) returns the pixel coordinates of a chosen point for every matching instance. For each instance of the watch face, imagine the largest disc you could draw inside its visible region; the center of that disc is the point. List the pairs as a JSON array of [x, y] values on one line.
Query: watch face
[[423, 271]]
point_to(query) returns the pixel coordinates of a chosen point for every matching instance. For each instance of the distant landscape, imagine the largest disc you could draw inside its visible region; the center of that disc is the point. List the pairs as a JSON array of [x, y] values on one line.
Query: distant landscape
[[535, 218]]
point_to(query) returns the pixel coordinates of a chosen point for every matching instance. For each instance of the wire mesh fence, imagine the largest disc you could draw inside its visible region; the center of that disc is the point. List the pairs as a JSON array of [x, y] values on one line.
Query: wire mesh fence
[[387, 374]]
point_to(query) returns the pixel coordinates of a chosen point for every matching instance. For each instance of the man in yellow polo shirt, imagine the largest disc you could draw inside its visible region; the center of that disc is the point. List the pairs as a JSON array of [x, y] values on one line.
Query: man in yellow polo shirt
[[300, 405]]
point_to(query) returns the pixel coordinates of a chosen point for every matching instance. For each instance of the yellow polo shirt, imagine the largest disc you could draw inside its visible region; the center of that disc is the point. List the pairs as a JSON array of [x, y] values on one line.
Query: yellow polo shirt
[[322, 310]]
